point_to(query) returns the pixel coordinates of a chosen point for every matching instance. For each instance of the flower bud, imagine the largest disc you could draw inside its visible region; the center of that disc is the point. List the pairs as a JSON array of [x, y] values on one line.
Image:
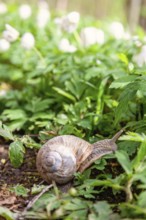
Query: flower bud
[[69, 22], [117, 30], [4, 45], [27, 41], [25, 11], [3, 8], [65, 46], [10, 34], [91, 35]]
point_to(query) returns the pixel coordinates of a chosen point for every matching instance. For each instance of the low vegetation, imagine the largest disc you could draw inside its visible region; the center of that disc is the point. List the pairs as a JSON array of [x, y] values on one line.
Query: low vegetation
[[62, 81]]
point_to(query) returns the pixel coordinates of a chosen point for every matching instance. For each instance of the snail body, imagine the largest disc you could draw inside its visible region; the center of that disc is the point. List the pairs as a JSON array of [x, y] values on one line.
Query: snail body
[[62, 156]]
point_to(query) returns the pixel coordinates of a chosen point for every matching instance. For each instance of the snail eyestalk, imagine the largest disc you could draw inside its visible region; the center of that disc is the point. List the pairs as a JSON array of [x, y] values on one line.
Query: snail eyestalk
[[117, 135]]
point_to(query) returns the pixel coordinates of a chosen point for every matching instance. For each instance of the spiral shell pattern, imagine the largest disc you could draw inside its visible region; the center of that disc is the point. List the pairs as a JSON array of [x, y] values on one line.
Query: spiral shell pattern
[[61, 157]]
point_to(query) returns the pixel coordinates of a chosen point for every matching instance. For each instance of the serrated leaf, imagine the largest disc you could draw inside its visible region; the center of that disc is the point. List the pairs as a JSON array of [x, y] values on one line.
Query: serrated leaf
[[75, 204], [20, 190], [16, 153], [15, 114], [6, 133], [103, 210]]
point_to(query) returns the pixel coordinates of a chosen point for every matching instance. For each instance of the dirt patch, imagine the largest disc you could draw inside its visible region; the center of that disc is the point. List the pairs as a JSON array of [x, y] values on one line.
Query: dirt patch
[[26, 175]]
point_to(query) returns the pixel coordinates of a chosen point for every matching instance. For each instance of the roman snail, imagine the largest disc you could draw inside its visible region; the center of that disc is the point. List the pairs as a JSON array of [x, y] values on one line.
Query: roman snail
[[62, 156]]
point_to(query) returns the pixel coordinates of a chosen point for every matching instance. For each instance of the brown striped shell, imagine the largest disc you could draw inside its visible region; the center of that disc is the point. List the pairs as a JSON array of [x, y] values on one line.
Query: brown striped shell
[[61, 157]]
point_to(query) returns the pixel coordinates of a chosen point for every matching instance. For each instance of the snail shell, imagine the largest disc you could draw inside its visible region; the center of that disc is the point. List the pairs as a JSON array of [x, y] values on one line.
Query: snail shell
[[61, 157], [64, 155]]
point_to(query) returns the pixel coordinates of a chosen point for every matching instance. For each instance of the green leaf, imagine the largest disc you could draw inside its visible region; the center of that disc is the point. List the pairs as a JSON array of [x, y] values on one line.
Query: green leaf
[[103, 210], [75, 204], [6, 133], [123, 58], [122, 82], [124, 161], [15, 114], [6, 213], [140, 156], [132, 136], [142, 199], [37, 189], [80, 214], [20, 190], [85, 123], [65, 94], [16, 153], [126, 96]]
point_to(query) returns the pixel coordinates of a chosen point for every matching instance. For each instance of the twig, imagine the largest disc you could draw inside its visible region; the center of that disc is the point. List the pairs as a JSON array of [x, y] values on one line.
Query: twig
[[31, 203]]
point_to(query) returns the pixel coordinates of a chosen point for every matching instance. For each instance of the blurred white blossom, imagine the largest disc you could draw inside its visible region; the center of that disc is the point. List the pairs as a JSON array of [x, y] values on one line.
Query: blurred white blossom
[[10, 34], [25, 11], [91, 35], [3, 92], [140, 58], [3, 8], [65, 46], [117, 30], [27, 41], [43, 15], [137, 41], [69, 22], [4, 45]]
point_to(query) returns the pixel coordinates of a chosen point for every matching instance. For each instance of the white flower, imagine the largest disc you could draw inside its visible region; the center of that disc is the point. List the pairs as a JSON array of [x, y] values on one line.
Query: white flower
[[92, 35], [10, 34], [117, 30], [65, 46], [25, 11], [4, 45], [3, 8], [137, 41], [69, 22], [73, 17], [3, 92], [140, 58], [27, 41], [43, 15]]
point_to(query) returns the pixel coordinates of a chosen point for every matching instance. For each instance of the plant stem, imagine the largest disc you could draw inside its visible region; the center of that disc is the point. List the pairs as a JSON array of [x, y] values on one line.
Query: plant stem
[[39, 55], [100, 102], [129, 195]]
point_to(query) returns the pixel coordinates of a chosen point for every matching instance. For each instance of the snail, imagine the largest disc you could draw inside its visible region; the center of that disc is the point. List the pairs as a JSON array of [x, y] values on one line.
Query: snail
[[62, 156]]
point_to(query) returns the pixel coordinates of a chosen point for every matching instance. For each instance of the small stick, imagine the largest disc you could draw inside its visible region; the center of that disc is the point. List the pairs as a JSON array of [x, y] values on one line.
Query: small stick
[[31, 203]]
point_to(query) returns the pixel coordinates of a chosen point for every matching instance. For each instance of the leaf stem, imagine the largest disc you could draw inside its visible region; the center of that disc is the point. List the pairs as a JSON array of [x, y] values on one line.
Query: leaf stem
[[128, 191]]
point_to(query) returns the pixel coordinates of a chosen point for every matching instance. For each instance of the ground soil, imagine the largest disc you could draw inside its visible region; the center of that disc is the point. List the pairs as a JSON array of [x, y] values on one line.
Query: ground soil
[[26, 175]]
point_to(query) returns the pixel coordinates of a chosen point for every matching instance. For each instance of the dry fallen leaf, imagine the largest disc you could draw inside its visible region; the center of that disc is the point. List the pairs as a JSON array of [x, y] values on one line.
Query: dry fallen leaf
[[10, 200]]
